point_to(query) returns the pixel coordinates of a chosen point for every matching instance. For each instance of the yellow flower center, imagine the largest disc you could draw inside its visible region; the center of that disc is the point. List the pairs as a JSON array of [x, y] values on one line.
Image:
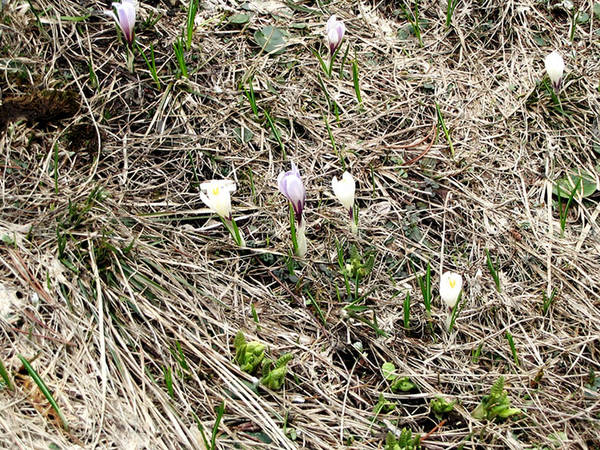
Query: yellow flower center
[[215, 190], [452, 283]]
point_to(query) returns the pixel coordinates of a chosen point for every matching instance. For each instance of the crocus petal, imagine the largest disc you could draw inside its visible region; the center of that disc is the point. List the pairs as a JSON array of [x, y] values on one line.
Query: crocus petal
[[334, 33], [555, 66], [330, 23], [291, 186], [344, 189], [450, 287], [125, 17], [216, 195]]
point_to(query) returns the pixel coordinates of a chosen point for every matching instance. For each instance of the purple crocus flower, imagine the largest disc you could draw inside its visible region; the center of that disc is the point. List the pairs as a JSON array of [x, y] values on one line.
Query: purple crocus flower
[[334, 31], [125, 17], [290, 185]]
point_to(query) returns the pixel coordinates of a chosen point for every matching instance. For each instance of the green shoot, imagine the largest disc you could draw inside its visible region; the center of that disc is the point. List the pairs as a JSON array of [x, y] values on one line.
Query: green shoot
[[343, 270], [548, 301], [332, 139], [193, 166], [573, 27], [493, 270], [179, 49], [233, 230], [513, 349], [356, 81], [317, 307], [220, 410], [293, 229], [5, 376], [343, 63], [189, 25], [454, 313], [413, 18], [250, 96], [321, 62], [179, 356], [425, 286], [564, 212], [254, 313], [276, 133], [450, 11], [168, 374], [496, 405], [44, 389], [406, 311], [151, 64], [555, 98], [92, 73], [442, 123], [331, 104], [476, 354]]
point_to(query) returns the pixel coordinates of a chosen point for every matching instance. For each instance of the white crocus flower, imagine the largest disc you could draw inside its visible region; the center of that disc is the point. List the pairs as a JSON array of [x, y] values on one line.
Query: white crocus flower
[[450, 287], [216, 195], [555, 66], [344, 190]]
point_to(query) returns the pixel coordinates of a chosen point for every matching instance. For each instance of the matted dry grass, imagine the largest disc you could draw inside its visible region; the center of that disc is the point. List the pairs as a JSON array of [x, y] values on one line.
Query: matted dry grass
[[146, 267]]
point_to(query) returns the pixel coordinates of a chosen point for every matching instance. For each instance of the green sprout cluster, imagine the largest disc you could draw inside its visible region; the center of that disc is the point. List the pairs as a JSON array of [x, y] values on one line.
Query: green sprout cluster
[[496, 405], [406, 441], [440, 406], [251, 355], [397, 383]]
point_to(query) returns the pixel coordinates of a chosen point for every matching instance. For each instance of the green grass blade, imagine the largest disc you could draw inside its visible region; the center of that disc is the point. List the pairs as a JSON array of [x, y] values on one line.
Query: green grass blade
[[5, 376], [40, 383]]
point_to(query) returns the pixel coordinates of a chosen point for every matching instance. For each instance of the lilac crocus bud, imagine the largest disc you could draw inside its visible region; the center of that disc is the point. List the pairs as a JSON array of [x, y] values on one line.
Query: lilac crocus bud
[[125, 17], [555, 66], [334, 32], [290, 184]]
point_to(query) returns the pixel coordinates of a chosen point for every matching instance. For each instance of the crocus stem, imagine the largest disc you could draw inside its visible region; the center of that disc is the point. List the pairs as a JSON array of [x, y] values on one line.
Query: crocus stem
[[235, 232], [353, 213], [129, 58], [301, 240]]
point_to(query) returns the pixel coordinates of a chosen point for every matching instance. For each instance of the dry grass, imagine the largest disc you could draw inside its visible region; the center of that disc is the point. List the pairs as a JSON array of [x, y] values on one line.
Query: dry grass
[[145, 267]]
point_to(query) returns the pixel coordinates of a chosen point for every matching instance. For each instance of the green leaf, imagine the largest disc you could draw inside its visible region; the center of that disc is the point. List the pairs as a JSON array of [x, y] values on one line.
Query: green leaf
[[242, 135], [597, 10], [440, 406], [583, 18], [270, 39], [40, 383], [383, 406], [402, 384], [239, 19], [388, 369], [565, 185]]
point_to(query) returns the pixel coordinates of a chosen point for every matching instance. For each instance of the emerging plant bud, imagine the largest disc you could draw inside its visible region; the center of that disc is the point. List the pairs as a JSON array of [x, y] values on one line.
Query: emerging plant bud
[[334, 32], [290, 184], [125, 17], [344, 190], [555, 67]]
